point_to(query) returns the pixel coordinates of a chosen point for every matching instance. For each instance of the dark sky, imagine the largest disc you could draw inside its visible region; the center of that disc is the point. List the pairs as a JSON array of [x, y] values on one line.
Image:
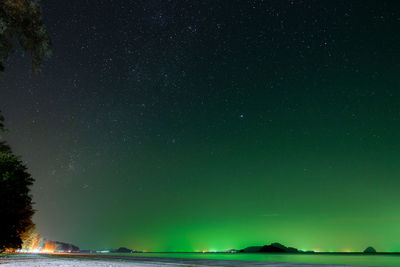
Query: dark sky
[[199, 125]]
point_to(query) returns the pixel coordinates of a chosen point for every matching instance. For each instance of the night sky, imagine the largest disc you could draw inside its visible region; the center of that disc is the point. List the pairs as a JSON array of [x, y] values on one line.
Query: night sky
[[186, 125]]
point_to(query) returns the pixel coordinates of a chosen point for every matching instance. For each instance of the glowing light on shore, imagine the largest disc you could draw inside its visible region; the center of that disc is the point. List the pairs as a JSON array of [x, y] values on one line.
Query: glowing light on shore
[[34, 243]]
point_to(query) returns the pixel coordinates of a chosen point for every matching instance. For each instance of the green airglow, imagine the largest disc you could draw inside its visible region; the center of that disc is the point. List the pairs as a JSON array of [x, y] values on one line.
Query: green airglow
[[266, 129]]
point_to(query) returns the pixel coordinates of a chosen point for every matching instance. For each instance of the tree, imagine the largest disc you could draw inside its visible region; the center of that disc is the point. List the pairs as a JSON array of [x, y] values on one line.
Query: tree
[[21, 21], [15, 199]]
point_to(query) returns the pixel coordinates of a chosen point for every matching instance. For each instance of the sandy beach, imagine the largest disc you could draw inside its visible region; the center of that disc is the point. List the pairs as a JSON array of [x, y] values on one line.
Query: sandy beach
[[41, 260]]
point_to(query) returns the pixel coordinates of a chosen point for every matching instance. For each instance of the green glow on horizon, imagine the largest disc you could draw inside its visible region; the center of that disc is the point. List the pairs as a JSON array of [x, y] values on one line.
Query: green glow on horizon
[[220, 137]]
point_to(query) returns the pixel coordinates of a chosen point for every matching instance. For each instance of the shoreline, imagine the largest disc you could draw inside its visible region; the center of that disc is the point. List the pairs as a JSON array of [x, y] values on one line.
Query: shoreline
[[123, 261]]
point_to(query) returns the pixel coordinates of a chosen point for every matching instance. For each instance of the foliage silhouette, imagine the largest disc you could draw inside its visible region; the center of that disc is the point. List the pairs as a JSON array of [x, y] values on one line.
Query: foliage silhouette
[[21, 21], [16, 202]]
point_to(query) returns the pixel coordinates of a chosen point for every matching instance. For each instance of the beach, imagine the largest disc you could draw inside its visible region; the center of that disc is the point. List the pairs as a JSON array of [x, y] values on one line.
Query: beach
[[39, 260]]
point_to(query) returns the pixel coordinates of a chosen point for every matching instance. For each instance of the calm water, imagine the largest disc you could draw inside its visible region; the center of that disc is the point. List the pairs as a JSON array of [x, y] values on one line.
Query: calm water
[[369, 260]]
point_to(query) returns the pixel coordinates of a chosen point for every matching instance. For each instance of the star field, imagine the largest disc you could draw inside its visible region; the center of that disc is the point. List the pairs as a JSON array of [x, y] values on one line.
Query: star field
[[189, 125]]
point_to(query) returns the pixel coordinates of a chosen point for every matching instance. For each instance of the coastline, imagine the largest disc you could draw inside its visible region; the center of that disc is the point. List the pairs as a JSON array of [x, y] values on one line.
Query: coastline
[[79, 260]]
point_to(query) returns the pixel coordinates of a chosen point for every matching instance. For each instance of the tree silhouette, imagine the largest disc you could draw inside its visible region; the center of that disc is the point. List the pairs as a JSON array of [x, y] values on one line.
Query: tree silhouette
[[15, 199], [21, 21]]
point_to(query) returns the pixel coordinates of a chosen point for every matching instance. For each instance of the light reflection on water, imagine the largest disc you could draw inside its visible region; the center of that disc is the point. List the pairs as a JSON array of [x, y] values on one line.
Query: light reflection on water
[[352, 259]]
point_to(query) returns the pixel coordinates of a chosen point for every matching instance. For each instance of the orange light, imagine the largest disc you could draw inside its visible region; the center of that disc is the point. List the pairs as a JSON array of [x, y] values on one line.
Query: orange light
[[49, 247]]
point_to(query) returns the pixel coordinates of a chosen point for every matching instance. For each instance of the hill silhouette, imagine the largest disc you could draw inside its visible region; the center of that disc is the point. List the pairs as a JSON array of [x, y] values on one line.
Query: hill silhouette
[[272, 248], [123, 250], [369, 250]]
